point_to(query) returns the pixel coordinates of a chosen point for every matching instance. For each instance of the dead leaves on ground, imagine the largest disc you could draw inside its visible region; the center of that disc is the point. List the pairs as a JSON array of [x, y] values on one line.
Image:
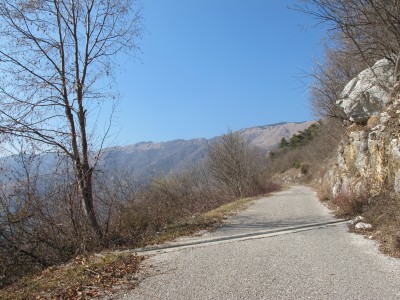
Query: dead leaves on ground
[[86, 277]]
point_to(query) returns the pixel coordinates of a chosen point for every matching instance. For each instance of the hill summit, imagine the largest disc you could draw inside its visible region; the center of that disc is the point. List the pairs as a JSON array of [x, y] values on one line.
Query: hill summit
[[146, 159]]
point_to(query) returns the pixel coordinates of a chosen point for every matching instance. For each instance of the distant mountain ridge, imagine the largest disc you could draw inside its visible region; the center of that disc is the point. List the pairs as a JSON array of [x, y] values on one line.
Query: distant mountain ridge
[[146, 159]]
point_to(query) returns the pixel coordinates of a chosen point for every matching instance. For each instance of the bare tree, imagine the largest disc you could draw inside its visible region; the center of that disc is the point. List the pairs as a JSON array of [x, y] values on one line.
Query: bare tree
[[329, 79], [235, 165], [369, 28], [226, 162], [55, 59]]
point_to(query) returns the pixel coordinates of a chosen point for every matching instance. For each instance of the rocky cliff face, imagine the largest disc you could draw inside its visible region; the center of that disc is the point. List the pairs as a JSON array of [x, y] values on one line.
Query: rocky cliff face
[[369, 155]]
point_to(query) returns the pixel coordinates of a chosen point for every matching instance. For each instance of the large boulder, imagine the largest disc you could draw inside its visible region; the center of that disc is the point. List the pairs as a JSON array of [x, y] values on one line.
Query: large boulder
[[368, 93]]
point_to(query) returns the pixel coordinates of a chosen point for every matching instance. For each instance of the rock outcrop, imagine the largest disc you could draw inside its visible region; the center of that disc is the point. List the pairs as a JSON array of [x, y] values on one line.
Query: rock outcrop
[[369, 155], [368, 93]]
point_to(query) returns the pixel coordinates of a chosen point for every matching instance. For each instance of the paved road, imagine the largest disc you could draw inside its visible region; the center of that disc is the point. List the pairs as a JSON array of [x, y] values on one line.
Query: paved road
[[314, 262]]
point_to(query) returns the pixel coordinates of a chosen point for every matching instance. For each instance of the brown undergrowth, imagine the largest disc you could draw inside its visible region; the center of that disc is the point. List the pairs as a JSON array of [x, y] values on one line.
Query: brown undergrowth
[[85, 277], [383, 212], [96, 275], [46, 226], [349, 203]]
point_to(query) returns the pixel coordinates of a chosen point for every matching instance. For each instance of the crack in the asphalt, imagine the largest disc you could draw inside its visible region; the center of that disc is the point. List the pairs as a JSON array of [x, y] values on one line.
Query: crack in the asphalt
[[239, 237]]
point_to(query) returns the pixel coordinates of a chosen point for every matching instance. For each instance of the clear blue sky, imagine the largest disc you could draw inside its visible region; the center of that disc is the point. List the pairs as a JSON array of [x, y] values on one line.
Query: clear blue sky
[[210, 65]]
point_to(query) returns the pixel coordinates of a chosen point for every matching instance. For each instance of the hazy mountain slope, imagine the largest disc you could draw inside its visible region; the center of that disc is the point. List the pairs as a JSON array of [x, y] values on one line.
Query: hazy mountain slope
[[147, 159], [144, 160], [268, 137]]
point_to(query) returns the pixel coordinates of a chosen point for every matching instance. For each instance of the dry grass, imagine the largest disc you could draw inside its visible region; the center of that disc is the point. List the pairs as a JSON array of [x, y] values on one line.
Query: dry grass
[[383, 213], [355, 128], [85, 277], [206, 221], [216, 216], [322, 182], [373, 121], [324, 190]]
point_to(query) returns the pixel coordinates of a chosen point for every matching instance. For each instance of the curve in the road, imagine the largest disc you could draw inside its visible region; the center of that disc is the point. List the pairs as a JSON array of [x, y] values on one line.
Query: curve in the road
[[329, 263]]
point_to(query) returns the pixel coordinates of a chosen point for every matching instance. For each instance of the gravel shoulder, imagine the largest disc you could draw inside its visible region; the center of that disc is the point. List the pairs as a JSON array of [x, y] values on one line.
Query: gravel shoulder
[[324, 263]]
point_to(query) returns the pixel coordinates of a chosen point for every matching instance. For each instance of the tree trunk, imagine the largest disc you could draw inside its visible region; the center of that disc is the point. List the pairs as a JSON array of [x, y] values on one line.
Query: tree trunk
[[85, 189]]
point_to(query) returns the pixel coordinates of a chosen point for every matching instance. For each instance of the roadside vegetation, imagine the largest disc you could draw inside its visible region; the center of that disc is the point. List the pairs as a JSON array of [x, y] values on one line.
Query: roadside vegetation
[[44, 227]]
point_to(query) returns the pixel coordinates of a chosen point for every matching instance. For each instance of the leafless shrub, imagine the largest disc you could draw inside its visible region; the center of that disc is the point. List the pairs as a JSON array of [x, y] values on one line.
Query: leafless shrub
[[236, 166], [349, 202], [329, 80], [39, 229], [305, 168], [168, 200], [114, 190], [42, 221]]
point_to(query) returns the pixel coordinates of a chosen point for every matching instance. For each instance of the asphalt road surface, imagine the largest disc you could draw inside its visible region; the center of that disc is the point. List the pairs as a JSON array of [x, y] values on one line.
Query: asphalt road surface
[[286, 246]]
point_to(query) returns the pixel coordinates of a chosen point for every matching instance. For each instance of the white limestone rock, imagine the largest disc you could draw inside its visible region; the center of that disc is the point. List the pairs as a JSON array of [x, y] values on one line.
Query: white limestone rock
[[367, 94], [364, 226]]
